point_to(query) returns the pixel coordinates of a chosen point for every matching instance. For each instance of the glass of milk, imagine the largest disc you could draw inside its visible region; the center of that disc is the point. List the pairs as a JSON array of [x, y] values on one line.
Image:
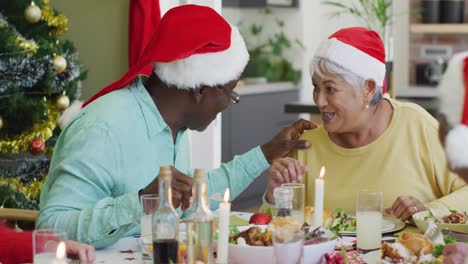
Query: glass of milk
[[368, 219]]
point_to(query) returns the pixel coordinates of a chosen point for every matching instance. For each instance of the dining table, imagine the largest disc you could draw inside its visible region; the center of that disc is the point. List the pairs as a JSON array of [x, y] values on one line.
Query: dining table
[[128, 249]]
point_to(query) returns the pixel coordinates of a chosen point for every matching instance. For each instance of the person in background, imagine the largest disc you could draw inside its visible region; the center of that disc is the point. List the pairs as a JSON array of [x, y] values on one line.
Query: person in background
[[17, 247], [109, 154], [369, 141], [453, 133]]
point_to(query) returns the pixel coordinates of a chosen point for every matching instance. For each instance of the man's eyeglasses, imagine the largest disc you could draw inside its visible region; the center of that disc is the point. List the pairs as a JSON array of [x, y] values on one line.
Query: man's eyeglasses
[[233, 96]]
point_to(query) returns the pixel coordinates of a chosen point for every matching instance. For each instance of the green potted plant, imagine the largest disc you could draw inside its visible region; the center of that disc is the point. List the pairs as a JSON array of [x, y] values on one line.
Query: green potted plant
[[374, 14], [267, 54]]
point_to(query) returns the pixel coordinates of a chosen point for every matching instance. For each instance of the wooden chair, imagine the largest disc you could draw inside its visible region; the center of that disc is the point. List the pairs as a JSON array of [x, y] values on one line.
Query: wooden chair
[[18, 214]]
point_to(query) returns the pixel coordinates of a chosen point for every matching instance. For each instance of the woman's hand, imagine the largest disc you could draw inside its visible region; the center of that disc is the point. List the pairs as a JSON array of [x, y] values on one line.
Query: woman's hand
[[283, 170], [405, 206], [455, 253], [85, 253]]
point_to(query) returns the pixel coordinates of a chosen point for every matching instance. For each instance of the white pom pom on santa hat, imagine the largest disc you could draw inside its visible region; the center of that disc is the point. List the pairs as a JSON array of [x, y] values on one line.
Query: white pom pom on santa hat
[[196, 47], [454, 104]]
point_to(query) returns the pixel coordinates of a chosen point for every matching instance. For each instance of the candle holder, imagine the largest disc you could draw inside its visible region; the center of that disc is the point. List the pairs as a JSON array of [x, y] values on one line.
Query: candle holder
[[45, 243]]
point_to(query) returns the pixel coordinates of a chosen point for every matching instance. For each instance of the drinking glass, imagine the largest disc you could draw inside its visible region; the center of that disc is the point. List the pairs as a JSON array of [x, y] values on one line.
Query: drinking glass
[[368, 219], [288, 246], [149, 204], [45, 242], [297, 210]]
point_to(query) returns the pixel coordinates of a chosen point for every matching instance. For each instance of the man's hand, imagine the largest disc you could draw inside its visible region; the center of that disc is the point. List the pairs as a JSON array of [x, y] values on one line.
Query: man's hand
[[283, 170], [286, 140], [181, 188], [455, 253], [85, 253], [405, 207]]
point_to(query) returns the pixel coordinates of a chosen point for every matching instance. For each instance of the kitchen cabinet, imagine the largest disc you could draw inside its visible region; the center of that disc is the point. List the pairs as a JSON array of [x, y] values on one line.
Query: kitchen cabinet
[[250, 123]]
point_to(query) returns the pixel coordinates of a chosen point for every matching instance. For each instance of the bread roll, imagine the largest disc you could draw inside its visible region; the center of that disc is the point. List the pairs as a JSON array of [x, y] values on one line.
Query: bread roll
[[309, 216], [396, 252]]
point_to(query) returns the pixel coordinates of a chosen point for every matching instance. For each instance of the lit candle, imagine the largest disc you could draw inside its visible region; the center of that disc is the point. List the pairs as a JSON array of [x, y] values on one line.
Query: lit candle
[[223, 233], [60, 256], [319, 190]]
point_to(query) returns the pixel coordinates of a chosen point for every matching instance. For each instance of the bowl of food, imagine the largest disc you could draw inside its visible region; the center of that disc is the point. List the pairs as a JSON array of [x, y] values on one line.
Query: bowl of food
[[443, 218], [254, 244]]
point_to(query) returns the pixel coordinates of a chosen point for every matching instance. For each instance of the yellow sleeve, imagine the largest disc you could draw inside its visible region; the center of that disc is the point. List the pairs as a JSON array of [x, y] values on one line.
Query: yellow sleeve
[[453, 189]]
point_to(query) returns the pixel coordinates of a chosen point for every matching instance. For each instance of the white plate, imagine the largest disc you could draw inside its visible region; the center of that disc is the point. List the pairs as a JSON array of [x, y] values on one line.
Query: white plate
[[372, 257], [389, 225]]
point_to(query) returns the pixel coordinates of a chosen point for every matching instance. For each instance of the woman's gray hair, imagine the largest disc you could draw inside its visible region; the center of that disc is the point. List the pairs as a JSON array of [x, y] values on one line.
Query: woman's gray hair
[[322, 67]]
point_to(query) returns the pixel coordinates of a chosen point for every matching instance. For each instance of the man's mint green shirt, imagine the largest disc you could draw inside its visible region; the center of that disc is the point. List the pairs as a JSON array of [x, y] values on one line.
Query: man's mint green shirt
[[110, 150]]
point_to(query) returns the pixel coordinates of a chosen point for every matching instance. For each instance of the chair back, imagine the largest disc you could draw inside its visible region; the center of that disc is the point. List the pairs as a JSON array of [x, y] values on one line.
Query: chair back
[[18, 214]]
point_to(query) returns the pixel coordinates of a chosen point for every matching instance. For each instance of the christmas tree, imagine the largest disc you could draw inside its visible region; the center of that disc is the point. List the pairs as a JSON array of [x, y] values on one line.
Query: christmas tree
[[39, 76]]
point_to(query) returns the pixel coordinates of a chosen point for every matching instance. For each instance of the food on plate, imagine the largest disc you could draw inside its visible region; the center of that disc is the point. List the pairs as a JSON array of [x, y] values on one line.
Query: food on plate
[[409, 248], [309, 216], [453, 218], [287, 222], [342, 221], [343, 256], [260, 219], [254, 237]]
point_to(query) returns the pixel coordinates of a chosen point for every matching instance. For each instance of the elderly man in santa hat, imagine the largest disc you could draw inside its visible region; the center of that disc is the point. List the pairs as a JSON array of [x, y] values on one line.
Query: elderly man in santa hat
[[111, 152]]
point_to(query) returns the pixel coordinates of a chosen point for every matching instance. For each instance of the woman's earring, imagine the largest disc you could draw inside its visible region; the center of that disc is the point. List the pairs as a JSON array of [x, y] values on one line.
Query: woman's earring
[[367, 106]]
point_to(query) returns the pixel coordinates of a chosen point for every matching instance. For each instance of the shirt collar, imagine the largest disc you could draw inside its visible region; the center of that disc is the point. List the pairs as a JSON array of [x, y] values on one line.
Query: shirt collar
[[155, 123]]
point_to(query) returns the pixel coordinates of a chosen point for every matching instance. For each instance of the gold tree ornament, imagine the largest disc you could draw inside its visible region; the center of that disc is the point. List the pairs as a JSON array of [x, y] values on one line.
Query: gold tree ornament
[[60, 63], [1, 122], [32, 13], [63, 102]]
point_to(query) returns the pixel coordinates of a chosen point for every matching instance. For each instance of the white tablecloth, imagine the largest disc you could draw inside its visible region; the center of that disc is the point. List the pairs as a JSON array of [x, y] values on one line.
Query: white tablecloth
[[126, 250]]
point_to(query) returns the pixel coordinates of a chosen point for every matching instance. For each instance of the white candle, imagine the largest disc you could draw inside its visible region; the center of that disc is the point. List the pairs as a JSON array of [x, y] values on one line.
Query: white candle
[[61, 256], [223, 233], [319, 190]]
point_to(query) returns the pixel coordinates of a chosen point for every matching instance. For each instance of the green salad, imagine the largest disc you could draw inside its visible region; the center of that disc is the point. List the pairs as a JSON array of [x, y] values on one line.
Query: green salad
[[342, 221]]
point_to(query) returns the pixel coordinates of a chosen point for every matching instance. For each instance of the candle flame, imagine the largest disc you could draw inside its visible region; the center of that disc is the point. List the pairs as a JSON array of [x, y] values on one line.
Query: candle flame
[[226, 195], [322, 172], [60, 251]]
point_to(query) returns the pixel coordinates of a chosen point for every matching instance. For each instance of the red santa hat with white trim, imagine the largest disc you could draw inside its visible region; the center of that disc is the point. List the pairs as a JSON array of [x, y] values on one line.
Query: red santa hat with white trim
[[358, 50], [454, 104], [192, 46]]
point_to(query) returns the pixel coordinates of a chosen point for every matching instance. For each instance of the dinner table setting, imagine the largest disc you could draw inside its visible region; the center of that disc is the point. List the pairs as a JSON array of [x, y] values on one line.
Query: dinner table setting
[[292, 232], [339, 246]]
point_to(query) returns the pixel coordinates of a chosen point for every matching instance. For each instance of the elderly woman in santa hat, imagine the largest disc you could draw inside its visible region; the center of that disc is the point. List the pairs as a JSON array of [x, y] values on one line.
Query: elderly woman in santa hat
[[367, 140]]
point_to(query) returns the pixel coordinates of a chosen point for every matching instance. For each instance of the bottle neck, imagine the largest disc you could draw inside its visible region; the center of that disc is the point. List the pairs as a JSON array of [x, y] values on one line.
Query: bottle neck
[[165, 193], [199, 194]]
